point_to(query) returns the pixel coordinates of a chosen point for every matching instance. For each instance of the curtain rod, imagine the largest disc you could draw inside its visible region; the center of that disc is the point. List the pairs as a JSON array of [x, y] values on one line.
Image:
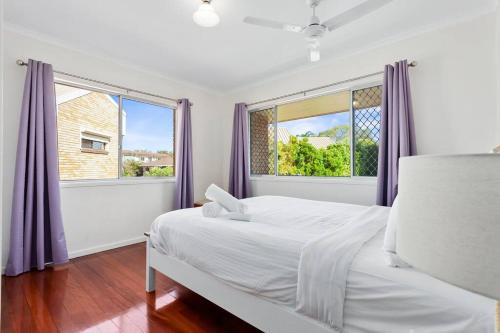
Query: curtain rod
[[22, 63], [304, 92]]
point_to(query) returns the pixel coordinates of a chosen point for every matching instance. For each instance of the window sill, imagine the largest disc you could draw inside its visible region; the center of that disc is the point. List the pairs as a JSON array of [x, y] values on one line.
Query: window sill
[[94, 151], [115, 182], [367, 181]]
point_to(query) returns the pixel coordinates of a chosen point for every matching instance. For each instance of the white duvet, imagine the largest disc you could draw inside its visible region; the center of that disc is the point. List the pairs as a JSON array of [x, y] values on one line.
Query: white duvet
[[262, 257]]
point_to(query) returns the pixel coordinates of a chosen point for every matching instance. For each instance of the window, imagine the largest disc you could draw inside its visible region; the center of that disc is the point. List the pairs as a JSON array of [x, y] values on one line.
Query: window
[[334, 135], [366, 108], [262, 132], [94, 125], [148, 140], [88, 144], [94, 143]]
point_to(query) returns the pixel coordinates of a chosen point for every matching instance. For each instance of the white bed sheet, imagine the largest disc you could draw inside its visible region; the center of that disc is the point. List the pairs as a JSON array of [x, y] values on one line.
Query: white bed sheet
[[262, 258]]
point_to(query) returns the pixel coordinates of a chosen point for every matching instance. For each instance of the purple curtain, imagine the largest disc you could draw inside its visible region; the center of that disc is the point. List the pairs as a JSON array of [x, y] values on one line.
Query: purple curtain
[[239, 175], [184, 196], [397, 132], [36, 232]]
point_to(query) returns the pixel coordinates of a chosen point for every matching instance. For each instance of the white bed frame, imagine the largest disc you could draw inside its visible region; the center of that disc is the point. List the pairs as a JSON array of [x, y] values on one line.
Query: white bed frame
[[265, 315]]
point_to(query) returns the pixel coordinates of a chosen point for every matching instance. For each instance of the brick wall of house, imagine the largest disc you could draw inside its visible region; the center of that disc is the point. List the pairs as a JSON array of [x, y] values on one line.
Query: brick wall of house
[[93, 112]]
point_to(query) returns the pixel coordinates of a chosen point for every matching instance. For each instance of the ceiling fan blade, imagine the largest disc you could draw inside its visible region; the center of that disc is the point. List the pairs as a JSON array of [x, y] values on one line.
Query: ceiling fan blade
[[354, 13], [273, 24]]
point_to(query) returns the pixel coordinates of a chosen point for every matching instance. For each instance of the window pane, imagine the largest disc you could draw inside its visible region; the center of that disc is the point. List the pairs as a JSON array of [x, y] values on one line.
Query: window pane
[[86, 144], [91, 144], [83, 117], [366, 117], [148, 139], [262, 142], [97, 145], [313, 137]]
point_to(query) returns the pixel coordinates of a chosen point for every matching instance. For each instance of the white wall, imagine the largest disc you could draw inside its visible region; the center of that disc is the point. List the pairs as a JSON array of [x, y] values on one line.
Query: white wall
[[1, 135], [498, 71], [98, 217], [101, 217], [453, 87]]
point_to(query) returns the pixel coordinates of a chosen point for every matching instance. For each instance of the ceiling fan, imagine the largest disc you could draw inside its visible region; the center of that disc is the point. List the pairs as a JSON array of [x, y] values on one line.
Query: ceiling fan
[[315, 29]]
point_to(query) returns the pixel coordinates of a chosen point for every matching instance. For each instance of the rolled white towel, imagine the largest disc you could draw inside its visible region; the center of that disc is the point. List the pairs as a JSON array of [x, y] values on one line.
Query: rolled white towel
[[226, 200], [211, 209]]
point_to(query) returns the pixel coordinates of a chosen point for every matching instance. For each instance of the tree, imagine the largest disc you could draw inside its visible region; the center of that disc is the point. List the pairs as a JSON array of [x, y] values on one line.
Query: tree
[[337, 160], [160, 172], [131, 168], [300, 158], [366, 157]]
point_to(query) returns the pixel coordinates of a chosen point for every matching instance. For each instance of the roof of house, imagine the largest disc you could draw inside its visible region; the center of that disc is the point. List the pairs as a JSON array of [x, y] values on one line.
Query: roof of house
[[318, 142], [66, 93], [283, 135], [149, 154], [168, 160]]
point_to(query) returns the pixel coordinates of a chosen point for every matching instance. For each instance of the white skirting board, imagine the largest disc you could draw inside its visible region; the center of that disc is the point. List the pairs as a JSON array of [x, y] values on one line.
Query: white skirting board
[[105, 247], [100, 248], [266, 316]]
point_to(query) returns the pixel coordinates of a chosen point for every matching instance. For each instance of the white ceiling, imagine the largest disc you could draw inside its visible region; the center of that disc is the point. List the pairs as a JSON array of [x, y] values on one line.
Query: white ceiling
[[160, 35]]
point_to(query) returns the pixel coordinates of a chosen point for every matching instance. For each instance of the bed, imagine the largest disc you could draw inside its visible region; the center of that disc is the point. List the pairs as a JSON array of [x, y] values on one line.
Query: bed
[[307, 266]]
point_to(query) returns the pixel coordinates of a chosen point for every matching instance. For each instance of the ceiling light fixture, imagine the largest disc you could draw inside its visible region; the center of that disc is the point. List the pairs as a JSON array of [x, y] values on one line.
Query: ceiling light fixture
[[313, 46], [206, 16]]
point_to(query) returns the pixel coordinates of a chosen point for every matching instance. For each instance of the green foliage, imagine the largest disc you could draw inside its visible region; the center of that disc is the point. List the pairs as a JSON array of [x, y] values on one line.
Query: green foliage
[[159, 172], [300, 158], [131, 168], [365, 154]]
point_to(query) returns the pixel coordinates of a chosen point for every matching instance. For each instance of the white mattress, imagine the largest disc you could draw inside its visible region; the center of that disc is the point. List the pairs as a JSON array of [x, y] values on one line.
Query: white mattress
[[262, 258]]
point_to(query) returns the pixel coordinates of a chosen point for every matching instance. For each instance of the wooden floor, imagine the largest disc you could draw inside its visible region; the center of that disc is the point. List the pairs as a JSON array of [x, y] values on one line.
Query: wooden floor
[[104, 292]]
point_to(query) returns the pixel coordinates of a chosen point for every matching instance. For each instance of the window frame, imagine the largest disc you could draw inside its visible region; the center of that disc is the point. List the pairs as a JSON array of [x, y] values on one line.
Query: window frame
[[120, 179], [351, 179]]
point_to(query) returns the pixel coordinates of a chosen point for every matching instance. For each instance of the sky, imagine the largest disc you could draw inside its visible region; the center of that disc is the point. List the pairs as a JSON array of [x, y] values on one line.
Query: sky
[[315, 124], [148, 126]]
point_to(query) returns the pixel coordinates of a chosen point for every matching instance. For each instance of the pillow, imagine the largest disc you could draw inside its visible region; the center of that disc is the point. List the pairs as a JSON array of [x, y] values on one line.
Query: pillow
[[390, 240]]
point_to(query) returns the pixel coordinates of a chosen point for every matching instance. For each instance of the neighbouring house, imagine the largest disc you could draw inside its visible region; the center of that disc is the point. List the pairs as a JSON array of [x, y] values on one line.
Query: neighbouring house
[[88, 137], [144, 156], [167, 161], [318, 142], [87, 134], [148, 160]]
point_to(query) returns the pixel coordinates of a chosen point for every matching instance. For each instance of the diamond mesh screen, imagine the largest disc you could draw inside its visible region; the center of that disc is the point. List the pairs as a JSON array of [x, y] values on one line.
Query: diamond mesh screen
[[366, 119], [262, 142]]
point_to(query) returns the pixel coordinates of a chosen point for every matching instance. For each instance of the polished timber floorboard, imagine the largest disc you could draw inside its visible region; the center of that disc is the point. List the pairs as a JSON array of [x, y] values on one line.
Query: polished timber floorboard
[[104, 292]]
